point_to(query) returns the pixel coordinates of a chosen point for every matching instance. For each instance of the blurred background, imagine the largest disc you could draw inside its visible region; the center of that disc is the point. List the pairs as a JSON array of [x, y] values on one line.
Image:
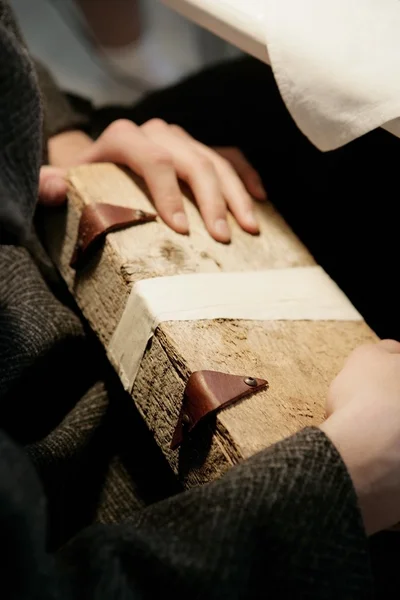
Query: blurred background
[[115, 51]]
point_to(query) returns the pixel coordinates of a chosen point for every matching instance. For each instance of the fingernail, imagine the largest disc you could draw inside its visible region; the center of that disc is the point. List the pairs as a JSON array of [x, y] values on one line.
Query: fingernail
[[222, 229], [251, 220], [180, 221]]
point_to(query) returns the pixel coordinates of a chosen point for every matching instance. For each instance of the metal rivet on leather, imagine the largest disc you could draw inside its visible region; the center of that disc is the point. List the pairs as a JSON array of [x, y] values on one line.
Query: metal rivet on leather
[[207, 392]]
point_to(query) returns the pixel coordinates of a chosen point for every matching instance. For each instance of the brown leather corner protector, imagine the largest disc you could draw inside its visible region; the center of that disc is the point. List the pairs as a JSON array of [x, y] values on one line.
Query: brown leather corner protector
[[207, 392], [99, 219]]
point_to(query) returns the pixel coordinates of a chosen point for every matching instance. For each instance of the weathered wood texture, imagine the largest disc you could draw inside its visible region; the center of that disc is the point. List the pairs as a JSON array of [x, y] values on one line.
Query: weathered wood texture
[[298, 358]]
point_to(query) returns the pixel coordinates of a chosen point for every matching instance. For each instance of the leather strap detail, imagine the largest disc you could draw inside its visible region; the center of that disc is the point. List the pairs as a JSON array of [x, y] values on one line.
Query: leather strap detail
[[99, 219], [207, 392]]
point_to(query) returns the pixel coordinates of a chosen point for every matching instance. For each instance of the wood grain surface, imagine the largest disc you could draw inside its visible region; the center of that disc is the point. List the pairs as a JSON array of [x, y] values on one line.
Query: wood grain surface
[[298, 358]]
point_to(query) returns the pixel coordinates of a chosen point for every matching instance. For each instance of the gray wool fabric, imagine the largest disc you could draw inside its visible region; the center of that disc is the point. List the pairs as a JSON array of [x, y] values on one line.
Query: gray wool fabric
[[53, 401], [26, 570], [32, 321], [48, 396], [20, 133], [284, 524], [24, 117]]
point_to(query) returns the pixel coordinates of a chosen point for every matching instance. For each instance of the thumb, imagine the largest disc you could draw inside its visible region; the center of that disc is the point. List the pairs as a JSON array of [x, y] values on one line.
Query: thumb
[[52, 186]]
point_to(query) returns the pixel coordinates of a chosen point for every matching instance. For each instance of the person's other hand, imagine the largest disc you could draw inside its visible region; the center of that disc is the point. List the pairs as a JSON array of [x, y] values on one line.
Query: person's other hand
[[220, 179], [363, 422]]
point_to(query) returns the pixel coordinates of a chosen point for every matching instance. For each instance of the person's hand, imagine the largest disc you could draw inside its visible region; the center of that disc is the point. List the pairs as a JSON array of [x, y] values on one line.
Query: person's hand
[[363, 422], [220, 179]]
